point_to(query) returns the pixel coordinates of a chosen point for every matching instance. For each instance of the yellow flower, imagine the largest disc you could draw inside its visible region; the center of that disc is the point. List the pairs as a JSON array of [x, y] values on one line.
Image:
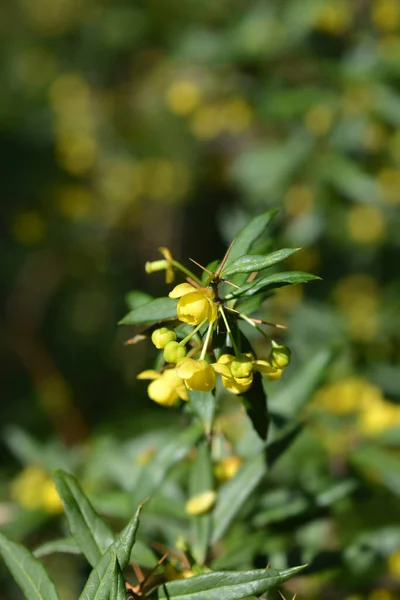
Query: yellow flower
[[167, 387], [197, 374], [235, 385], [267, 370], [195, 305]]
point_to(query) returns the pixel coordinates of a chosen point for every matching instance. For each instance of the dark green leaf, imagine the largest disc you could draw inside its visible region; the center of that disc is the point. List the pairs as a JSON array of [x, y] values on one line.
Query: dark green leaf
[[274, 280], [92, 535], [249, 234], [101, 579], [251, 263], [225, 585], [255, 402], [156, 310], [233, 494], [124, 543], [28, 572], [201, 480], [118, 589], [137, 298]]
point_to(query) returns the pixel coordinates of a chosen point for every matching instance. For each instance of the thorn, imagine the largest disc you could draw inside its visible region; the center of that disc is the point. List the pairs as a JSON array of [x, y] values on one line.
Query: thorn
[[192, 282], [232, 284], [281, 595], [221, 266], [201, 267]]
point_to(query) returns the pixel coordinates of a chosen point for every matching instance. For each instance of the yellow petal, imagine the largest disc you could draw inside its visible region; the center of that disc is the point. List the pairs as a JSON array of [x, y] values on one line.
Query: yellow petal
[[166, 253], [149, 374], [222, 370], [159, 391], [201, 503], [187, 367], [181, 290]]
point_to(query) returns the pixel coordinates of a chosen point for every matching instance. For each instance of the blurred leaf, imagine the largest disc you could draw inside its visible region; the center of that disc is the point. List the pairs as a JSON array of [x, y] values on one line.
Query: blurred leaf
[[378, 465], [249, 235], [156, 310], [255, 402], [28, 572], [62, 545], [89, 530], [350, 180], [203, 405], [251, 263], [154, 473], [233, 494], [274, 280], [137, 298], [201, 480], [23, 446], [225, 585], [291, 398]]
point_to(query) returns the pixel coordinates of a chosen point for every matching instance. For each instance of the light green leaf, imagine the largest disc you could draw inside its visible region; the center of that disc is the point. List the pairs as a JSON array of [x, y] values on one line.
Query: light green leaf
[[233, 494], [203, 405], [201, 480], [250, 234], [225, 585], [274, 280], [101, 579], [251, 263], [91, 533], [156, 310], [28, 572], [137, 298], [62, 545]]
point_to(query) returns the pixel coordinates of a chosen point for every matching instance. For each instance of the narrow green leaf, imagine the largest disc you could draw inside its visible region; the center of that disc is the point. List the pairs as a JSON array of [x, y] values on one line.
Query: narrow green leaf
[[225, 585], [274, 280], [62, 545], [201, 480], [290, 399], [124, 543], [118, 589], [101, 579], [203, 405], [250, 234], [233, 494], [137, 298], [154, 473], [28, 571], [156, 310], [255, 402], [91, 533], [251, 263]]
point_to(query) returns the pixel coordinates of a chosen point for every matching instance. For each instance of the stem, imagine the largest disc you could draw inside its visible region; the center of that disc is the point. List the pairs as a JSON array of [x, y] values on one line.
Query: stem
[[234, 345], [192, 333], [250, 322], [186, 271], [207, 339]]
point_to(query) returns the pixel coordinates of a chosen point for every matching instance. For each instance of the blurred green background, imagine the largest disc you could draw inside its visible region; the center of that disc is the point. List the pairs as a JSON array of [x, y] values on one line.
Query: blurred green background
[[126, 126]]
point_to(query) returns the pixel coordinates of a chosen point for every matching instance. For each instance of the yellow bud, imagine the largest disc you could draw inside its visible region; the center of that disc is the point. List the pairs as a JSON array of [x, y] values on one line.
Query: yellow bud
[[242, 367], [201, 503], [161, 337], [279, 357], [173, 352], [227, 468], [156, 265]]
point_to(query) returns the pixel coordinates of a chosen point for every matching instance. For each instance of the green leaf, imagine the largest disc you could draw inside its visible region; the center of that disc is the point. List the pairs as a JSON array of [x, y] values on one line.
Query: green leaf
[[225, 585], [251, 263], [91, 533], [62, 545], [154, 473], [102, 577], [201, 480], [249, 234], [233, 494], [255, 402], [28, 572], [379, 465], [156, 310], [274, 280], [118, 589], [203, 405], [291, 398], [137, 298], [124, 543]]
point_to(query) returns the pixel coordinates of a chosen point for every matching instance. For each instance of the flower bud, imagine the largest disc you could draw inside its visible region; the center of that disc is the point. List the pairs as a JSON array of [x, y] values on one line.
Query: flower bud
[[161, 337], [242, 367], [279, 357], [173, 352]]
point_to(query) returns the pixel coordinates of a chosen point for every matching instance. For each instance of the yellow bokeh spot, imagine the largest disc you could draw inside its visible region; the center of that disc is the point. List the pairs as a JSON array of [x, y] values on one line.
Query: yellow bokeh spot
[[394, 564], [394, 146], [389, 47], [34, 490], [236, 116], [380, 594], [227, 467], [307, 259], [51, 17], [347, 395], [75, 201], [357, 99], [334, 17], [366, 224], [201, 503], [299, 199], [385, 14], [207, 122], [389, 185], [54, 395], [378, 415], [76, 152], [70, 93], [29, 227], [318, 119], [182, 97], [357, 297], [375, 137]]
